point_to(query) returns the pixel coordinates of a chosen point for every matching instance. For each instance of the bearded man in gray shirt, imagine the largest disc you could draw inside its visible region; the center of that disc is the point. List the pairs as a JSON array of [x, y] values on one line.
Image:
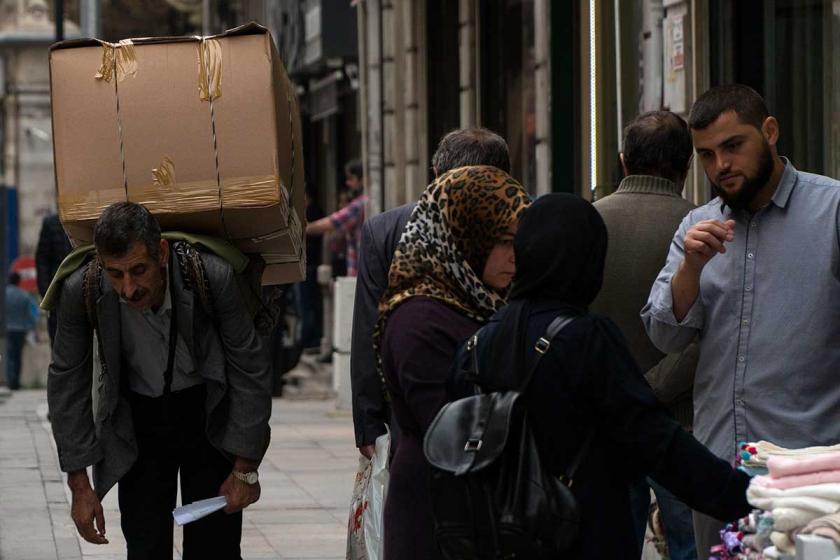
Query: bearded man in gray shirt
[[756, 274]]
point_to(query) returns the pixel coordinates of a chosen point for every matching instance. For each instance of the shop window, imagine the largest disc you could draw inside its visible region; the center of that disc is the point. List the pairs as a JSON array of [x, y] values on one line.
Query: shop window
[[789, 51], [442, 71], [507, 84]]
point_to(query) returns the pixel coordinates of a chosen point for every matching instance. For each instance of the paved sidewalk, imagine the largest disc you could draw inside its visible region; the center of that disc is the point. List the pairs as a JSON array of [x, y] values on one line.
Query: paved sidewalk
[[307, 478]]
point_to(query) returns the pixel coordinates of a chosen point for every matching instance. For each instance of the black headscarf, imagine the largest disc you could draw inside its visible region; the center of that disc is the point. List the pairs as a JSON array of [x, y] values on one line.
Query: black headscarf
[[560, 248]]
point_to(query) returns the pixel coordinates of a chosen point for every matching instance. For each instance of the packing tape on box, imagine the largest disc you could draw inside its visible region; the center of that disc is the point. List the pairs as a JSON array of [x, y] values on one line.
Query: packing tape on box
[[261, 191], [118, 59], [209, 69], [87, 206]]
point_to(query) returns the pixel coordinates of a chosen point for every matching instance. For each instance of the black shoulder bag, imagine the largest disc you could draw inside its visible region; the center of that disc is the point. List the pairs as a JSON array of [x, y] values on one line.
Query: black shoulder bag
[[492, 497]]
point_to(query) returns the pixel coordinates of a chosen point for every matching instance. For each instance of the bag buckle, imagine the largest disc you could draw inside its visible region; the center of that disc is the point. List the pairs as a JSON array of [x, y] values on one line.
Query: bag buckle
[[472, 342], [542, 345], [473, 445]]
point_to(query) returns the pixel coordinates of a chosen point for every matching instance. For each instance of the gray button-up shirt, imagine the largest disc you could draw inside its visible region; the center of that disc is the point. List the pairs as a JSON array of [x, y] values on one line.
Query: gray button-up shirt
[[145, 344], [768, 316]]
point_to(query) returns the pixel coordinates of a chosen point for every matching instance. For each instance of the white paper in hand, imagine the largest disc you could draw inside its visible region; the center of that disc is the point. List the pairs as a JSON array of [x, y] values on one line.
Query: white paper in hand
[[197, 510]]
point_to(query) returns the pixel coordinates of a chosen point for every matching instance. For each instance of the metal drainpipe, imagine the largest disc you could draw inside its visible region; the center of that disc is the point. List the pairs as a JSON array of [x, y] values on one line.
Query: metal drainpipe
[[3, 211], [90, 16], [381, 193], [59, 19]]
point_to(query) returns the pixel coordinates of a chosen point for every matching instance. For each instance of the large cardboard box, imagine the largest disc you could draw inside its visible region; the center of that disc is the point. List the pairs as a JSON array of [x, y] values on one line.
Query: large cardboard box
[[203, 131]]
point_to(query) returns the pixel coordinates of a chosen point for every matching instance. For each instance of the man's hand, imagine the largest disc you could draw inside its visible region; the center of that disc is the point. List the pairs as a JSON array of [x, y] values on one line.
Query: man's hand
[[702, 242], [86, 509], [367, 451], [706, 239], [240, 494]]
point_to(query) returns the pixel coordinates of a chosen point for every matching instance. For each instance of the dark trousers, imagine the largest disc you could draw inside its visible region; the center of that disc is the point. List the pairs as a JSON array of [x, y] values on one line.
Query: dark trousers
[[310, 305], [14, 357], [171, 439], [676, 517], [706, 532]]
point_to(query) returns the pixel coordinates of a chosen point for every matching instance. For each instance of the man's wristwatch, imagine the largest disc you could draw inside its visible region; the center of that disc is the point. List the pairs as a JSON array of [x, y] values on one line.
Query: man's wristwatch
[[247, 477]]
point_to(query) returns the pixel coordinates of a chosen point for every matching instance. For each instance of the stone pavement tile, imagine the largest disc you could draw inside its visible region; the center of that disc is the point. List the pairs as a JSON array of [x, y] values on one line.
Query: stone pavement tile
[[288, 435], [342, 451], [284, 496], [256, 544], [260, 518], [325, 434], [11, 477], [54, 491], [340, 514], [311, 540], [287, 445], [67, 548], [302, 460], [306, 482], [330, 489], [114, 549]]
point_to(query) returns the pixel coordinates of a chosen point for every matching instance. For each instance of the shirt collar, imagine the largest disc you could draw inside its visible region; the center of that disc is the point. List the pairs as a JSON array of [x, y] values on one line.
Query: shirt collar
[[786, 184], [648, 184]]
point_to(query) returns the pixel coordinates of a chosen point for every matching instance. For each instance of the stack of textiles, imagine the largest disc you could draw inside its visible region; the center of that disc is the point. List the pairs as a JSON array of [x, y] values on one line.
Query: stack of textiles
[[801, 489], [752, 457], [745, 540]]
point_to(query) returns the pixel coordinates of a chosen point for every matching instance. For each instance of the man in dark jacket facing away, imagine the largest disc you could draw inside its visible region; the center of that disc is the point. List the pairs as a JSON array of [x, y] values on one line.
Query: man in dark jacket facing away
[[183, 390], [53, 246], [380, 235], [641, 217]]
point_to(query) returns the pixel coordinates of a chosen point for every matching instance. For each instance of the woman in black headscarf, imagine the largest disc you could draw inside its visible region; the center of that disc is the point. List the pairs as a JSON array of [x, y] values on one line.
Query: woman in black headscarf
[[588, 382]]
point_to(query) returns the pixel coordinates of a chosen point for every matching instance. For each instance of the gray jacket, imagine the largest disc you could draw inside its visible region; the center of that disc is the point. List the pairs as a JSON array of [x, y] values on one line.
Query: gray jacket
[[225, 349], [641, 217]]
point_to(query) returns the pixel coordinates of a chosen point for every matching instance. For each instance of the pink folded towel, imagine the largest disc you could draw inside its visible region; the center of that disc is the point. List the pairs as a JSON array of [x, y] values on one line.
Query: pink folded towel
[[797, 480], [780, 466]]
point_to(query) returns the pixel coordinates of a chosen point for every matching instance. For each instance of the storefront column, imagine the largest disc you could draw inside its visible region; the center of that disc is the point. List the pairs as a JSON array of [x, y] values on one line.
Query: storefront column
[[468, 56]]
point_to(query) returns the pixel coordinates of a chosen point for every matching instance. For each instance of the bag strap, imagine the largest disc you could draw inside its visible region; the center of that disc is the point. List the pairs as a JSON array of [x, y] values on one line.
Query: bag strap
[[571, 470], [90, 290], [543, 344], [194, 274], [173, 339]]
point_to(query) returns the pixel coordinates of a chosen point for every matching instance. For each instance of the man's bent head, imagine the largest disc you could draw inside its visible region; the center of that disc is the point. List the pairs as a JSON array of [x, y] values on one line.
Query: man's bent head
[[471, 146], [132, 253]]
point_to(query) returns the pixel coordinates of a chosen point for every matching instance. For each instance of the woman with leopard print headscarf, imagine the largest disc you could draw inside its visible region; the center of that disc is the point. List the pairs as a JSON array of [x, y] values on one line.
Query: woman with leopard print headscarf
[[451, 271]]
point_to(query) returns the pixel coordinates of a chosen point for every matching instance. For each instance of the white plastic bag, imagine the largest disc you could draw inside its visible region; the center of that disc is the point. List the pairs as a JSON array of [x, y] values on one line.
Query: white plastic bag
[[356, 549], [375, 493]]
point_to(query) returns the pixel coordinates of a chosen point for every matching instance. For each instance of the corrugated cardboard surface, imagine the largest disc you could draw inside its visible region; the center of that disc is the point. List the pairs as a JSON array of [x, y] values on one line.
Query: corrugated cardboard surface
[[231, 166]]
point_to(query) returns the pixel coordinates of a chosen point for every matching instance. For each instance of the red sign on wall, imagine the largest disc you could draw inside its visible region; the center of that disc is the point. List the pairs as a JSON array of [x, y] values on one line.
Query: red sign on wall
[[25, 266]]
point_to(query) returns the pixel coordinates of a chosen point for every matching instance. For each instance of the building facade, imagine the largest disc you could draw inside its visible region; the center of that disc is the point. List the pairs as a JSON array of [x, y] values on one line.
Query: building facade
[[428, 67], [560, 81]]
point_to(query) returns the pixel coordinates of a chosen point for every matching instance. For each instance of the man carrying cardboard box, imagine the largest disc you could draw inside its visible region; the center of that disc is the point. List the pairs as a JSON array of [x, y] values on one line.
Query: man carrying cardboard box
[[183, 389]]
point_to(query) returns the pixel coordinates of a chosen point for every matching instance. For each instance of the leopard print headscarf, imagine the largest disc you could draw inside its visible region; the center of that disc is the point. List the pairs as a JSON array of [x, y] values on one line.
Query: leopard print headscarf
[[447, 240]]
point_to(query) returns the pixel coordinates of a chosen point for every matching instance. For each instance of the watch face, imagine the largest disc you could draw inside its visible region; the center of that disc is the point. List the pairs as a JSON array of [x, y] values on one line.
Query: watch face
[[248, 478]]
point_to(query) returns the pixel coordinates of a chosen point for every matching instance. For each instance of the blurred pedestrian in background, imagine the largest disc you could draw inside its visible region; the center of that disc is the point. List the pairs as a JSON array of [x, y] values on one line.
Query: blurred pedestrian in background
[[53, 246], [21, 316], [641, 217], [348, 219], [308, 290]]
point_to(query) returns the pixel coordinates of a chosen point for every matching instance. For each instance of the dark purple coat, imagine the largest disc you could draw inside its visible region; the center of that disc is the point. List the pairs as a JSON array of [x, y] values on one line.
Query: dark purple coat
[[418, 349]]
